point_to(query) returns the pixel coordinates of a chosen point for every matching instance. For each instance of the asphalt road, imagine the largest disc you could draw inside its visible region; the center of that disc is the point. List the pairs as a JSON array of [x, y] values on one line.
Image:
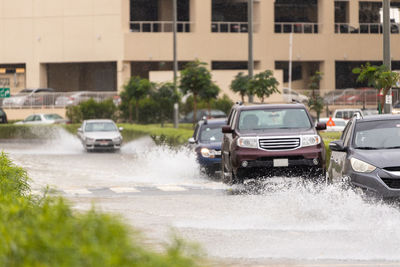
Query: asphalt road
[[162, 192]]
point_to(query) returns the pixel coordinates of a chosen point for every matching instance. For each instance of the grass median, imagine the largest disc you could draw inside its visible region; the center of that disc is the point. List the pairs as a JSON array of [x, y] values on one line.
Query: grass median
[[45, 231]]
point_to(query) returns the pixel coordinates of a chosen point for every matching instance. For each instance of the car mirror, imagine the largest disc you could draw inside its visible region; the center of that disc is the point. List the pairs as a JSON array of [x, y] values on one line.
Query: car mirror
[[191, 141], [121, 129], [321, 126], [227, 129], [337, 146], [80, 130]]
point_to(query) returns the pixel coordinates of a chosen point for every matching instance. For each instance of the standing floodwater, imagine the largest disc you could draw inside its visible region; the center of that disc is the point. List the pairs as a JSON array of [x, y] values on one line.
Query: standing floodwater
[[157, 189]]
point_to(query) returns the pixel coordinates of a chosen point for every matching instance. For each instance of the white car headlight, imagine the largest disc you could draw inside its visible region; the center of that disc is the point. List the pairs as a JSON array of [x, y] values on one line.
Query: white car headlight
[[89, 140], [361, 166], [207, 153], [117, 139], [248, 142], [310, 140]]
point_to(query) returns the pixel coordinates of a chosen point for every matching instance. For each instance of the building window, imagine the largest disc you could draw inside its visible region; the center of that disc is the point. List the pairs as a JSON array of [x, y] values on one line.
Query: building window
[[297, 16], [297, 71], [229, 16], [371, 17], [156, 16]]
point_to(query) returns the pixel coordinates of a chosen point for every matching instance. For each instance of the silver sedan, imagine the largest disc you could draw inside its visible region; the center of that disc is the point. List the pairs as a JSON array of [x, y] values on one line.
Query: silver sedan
[[100, 135]]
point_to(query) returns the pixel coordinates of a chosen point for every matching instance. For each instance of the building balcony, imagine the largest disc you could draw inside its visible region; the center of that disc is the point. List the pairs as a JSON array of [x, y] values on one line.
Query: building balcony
[[296, 27], [159, 26], [365, 28], [231, 27]]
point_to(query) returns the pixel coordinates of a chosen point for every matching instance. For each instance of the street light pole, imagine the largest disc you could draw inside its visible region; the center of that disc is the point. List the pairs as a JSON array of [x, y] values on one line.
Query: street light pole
[[387, 61], [250, 6], [174, 15]]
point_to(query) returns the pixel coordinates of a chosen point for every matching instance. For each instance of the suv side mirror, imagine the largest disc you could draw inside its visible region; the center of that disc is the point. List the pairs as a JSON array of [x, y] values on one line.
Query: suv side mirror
[[121, 129], [191, 141], [321, 126], [337, 146], [227, 129], [79, 130]]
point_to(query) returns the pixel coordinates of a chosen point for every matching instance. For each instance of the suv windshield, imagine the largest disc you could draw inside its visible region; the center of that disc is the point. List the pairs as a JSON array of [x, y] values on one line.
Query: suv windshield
[[211, 133], [377, 134], [52, 117], [273, 119], [100, 127]]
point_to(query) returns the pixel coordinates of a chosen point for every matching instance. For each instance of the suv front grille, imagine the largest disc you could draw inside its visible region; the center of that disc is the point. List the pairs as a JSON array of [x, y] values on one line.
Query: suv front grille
[[280, 143]]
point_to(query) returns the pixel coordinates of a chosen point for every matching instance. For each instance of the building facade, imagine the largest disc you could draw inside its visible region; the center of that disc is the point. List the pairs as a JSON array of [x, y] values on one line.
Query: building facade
[[97, 45]]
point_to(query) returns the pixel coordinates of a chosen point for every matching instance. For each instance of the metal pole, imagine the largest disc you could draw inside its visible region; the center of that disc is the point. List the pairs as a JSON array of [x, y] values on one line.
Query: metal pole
[[174, 15], [386, 51], [290, 65], [250, 30]]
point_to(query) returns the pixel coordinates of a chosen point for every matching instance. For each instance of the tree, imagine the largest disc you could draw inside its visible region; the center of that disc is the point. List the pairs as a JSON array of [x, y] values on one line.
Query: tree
[[195, 78], [316, 102], [263, 85], [379, 77], [165, 97], [241, 85], [136, 89], [209, 94]]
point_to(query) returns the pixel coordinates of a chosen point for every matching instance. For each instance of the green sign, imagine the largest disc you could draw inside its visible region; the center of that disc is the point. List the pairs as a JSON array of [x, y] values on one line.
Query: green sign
[[4, 92]]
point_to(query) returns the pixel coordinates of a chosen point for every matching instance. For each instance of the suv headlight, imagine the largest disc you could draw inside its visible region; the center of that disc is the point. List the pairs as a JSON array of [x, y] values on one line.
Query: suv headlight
[[208, 153], [361, 166], [89, 140], [310, 140], [248, 142]]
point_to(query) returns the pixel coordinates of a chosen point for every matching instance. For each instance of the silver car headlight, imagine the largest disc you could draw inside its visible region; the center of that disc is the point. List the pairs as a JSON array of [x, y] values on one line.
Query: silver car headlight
[[310, 140], [89, 140], [248, 142], [117, 139], [361, 166]]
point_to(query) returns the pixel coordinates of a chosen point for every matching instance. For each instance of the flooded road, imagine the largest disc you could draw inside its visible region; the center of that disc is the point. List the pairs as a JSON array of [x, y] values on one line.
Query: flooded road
[[161, 191]]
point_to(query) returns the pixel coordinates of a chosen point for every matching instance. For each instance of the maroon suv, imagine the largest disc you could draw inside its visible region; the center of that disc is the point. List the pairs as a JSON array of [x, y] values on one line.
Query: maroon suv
[[271, 140]]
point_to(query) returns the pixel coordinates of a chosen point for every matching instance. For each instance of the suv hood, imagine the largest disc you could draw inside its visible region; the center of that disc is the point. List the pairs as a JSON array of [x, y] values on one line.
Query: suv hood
[[381, 158], [278, 132]]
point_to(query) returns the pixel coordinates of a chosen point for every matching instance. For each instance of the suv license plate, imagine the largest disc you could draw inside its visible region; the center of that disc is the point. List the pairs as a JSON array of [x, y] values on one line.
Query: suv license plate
[[281, 162]]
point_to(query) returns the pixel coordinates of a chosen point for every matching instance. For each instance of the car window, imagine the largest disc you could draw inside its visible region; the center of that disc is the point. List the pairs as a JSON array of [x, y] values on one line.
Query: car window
[[52, 117], [345, 132], [196, 131], [274, 119], [377, 134], [1, 112], [340, 123], [30, 118], [339, 114], [100, 127], [232, 118], [211, 133], [37, 118]]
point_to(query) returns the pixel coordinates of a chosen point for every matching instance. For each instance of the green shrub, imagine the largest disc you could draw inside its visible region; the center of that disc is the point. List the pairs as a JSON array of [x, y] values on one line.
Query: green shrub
[[45, 231], [92, 109], [225, 104]]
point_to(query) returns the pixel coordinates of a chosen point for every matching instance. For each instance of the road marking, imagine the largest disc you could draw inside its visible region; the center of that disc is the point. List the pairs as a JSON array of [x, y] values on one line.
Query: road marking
[[171, 188], [77, 192], [124, 190]]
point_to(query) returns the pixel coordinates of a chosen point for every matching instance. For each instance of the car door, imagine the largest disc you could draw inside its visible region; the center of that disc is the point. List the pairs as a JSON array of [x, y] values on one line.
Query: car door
[[338, 158]]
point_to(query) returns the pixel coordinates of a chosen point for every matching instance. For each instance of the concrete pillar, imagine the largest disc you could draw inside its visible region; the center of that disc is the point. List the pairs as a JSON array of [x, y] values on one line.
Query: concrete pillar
[[123, 74], [326, 16], [36, 75], [125, 15], [328, 82], [200, 16], [264, 25], [354, 13]]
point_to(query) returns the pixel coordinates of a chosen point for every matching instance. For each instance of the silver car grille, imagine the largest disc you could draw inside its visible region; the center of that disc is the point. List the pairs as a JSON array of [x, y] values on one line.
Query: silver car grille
[[288, 143]]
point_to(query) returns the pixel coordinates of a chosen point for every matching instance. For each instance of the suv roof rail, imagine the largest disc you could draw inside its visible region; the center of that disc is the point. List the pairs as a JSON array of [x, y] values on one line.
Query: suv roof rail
[[205, 119]]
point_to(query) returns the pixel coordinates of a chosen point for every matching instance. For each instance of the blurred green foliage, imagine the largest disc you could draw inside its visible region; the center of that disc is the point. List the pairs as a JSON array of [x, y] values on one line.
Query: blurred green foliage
[[92, 109], [45, 231]]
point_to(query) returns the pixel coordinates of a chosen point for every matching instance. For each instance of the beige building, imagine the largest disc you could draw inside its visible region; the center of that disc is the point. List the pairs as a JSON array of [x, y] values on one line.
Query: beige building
[[97, 45]]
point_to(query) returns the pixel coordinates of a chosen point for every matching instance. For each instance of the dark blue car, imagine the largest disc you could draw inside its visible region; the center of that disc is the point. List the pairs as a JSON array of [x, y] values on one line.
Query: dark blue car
[[207, 139]]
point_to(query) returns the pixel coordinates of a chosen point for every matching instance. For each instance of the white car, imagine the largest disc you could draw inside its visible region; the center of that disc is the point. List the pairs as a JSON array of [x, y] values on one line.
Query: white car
[[338, 125], [347, 114], [100, 135], [37, 119], [293, 96]]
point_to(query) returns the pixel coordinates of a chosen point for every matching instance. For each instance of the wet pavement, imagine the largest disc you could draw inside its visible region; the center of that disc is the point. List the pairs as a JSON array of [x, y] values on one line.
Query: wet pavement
[[161, 191]]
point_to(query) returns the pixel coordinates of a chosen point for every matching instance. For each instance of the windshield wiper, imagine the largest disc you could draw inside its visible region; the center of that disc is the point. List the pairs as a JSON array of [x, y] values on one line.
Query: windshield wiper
[[367, 148], [392, 147]]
